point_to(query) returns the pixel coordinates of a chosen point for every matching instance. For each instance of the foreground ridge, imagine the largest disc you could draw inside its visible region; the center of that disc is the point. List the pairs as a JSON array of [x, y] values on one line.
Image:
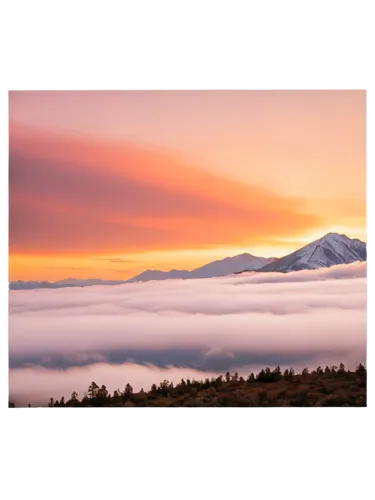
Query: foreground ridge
[[332, 386]]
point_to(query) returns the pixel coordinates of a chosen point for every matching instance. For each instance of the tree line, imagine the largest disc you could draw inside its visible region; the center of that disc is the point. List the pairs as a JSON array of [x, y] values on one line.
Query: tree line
[[98, 395]]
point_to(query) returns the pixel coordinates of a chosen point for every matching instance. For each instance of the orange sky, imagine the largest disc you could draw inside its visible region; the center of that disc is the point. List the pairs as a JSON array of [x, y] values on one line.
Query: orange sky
[[108, 184]]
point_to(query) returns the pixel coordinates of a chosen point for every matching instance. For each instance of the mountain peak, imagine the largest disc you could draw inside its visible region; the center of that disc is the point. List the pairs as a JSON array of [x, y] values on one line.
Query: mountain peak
[[334, 236], [331, 249]]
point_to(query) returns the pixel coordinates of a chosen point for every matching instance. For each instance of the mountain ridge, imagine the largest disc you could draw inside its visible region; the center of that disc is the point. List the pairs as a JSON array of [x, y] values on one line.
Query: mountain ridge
[[331, 249], [215, 269]]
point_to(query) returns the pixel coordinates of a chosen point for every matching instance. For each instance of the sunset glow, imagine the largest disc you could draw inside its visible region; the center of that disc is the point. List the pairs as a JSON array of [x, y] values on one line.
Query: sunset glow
[[108, 184]]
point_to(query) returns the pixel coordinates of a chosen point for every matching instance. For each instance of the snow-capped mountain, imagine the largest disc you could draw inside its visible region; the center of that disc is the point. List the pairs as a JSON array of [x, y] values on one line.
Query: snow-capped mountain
[[328, 251], [230, 265], [223, 267]]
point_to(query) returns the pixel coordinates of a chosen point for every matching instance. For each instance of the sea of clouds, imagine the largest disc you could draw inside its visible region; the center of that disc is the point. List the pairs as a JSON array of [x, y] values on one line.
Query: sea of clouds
[[62, 339]]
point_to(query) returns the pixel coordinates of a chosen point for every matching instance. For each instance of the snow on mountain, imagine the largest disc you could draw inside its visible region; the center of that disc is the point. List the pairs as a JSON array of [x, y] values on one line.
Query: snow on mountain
[[223, 267], [330, 250], [230, 265], [150, 275]]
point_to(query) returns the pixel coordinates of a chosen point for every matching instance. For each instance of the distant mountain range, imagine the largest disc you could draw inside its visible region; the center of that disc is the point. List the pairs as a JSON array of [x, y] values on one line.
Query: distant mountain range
[[223, 267], [328, 251]]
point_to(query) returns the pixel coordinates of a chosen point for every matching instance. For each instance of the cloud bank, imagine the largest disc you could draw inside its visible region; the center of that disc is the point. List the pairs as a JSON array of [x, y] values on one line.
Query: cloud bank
[[133, 332], [66, 190]]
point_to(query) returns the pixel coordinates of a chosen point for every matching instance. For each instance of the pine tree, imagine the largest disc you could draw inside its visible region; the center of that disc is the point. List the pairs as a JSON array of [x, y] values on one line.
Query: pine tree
[[102, 392], [128, 390], [163, 387], [93, 390], [267, 373], [360, 370], [341, 368], [276, 374]]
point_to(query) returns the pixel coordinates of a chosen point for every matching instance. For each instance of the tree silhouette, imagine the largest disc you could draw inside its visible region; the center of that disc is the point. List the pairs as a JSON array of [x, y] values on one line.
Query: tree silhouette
[[341, 368], [116, 396], [93, 390], [128, 390], [102, 392], [360, 370], [73, 401], [268, 390], [276, 374], [163, 387]]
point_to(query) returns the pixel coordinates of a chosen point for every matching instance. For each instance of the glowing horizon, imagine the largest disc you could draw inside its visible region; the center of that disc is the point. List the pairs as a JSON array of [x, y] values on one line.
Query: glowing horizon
[[109, 184]]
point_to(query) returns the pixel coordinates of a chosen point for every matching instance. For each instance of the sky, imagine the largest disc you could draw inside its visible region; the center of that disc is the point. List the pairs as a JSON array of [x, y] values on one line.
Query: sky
[[183, 328], [106, 184]]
